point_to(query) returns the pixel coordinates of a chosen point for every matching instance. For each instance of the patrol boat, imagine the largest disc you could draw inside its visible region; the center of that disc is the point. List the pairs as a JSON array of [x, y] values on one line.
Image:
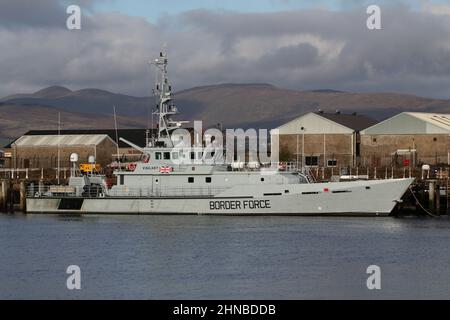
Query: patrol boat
[[175, 177]]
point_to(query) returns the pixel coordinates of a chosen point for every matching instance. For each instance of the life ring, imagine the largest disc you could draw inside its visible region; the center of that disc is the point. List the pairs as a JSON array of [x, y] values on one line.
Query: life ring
[[132, 166]]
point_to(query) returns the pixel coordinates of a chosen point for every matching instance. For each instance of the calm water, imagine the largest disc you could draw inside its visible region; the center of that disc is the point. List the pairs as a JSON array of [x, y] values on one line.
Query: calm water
[[197, 257]]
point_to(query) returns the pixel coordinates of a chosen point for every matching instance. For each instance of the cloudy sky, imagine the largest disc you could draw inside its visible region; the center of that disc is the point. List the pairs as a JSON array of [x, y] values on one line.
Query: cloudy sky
[[289, 43]]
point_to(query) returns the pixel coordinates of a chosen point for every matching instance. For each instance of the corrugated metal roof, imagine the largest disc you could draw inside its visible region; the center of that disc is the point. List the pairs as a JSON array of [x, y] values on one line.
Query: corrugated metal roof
[[61, 140], [440, 120], [412, 123]]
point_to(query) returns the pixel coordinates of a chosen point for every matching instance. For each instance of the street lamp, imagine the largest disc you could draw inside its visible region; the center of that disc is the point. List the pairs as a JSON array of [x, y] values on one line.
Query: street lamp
[[303, 147]]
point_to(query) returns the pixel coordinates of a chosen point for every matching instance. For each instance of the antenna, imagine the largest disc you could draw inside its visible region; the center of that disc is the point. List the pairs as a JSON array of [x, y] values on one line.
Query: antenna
[[165, 107], [117, 138]]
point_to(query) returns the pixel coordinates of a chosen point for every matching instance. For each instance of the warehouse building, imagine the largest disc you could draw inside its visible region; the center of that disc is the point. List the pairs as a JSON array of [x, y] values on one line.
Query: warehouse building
[[126, 153], [322, 139], [47, 151], [407, 139]]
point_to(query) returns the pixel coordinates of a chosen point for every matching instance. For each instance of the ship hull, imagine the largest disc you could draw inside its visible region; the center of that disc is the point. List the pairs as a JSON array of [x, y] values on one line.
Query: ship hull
[[360, 198]]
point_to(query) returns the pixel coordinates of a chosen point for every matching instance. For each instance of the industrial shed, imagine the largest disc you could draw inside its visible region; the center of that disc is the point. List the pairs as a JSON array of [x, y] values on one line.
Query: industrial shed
[[322, 139], [41, 151], [407, 139]]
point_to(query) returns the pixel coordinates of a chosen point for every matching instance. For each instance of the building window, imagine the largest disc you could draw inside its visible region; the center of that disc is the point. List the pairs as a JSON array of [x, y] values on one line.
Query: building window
[[191, 180], [374, 140], [434, 139], [312, 161], [331, 163], [208, 179], [166, 155], [158, 155]]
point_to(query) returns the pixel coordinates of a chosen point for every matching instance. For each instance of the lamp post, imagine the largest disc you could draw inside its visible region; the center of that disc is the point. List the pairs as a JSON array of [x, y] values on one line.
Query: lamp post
[[303, 148], [297, 152]]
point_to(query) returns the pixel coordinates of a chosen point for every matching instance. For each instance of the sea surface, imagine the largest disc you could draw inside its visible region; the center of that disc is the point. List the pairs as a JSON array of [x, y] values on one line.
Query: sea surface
[[201, 257]]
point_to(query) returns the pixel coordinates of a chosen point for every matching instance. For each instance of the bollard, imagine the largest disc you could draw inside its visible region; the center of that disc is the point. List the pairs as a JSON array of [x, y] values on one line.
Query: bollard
[[23, 196]]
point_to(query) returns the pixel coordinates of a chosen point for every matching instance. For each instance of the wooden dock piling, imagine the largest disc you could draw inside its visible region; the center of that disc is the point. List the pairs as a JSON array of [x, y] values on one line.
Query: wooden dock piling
[[432, 194], [2, 196], [23, 198]]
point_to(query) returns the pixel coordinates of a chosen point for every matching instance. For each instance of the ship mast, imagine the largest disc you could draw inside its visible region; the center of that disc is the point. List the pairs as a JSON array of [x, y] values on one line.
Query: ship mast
[[165, 107]]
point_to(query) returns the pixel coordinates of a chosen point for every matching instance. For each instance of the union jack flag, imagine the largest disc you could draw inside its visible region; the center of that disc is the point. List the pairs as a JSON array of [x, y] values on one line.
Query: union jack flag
[[165, 169]]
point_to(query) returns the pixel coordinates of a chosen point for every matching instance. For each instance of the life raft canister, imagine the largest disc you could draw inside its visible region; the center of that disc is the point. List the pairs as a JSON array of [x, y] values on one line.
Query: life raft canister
[[146, 158]]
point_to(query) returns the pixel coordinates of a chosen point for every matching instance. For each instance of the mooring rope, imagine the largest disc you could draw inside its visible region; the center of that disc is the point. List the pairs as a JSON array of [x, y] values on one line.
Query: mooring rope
[[418, 202]]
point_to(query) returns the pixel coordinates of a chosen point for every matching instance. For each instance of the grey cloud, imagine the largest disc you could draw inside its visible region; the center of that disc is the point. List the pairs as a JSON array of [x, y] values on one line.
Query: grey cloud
[[38, 13], [18, 13], [306, 49]]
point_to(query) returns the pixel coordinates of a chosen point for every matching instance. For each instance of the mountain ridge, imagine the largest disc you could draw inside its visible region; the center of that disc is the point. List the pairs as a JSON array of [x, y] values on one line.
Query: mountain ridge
[[257, 105]]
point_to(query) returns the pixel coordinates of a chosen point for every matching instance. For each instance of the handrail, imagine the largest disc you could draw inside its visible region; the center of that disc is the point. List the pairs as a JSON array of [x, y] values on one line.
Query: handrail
[[94, 191]]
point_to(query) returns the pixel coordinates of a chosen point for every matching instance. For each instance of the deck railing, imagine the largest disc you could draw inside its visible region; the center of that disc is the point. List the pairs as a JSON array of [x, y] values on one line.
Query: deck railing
[[39, 191]]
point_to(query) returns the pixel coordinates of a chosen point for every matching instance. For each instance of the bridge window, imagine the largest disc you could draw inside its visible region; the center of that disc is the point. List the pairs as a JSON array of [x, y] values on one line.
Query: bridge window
[[208, 179], [158, 156], [191, 180], [192, 155], [166, 155], [175, 155]]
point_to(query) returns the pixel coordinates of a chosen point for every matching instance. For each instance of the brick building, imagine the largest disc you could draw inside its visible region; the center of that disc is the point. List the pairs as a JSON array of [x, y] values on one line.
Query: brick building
[[322, 139], [407, 139]]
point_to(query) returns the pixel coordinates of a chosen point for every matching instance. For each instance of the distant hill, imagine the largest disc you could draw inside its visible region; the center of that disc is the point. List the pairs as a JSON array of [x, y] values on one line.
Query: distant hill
[[233, 105]]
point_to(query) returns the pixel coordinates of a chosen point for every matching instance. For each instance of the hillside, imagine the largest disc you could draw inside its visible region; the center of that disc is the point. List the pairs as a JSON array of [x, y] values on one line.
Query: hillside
[[255, 105]]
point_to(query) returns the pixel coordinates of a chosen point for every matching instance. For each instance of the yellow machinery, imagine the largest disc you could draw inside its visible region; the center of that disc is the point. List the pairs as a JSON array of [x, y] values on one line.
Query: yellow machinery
[[89, 167]]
